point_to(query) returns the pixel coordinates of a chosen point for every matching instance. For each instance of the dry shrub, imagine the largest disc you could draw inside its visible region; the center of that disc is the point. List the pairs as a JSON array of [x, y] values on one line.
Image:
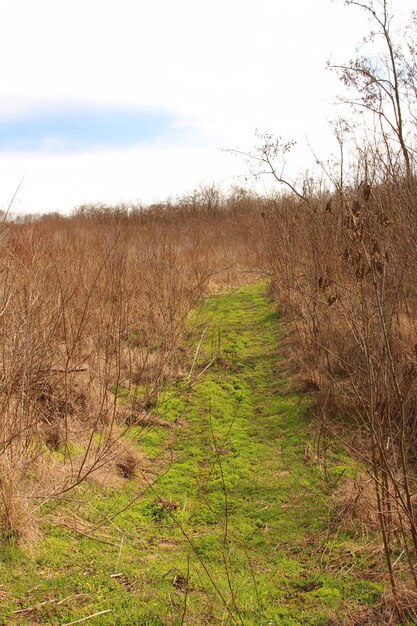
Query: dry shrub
[[94, 306], [355, 501], [366, 616], [407, 597], [123, 458], [18, 523], [343, 270]]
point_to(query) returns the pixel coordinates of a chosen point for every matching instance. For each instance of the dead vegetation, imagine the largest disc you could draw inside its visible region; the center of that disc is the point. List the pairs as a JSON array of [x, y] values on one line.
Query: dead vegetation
[[342, 256], [92, 316], [343, 270]]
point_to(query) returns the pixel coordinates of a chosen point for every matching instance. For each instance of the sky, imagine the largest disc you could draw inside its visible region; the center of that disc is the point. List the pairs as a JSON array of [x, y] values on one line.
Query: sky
[[133, 101]]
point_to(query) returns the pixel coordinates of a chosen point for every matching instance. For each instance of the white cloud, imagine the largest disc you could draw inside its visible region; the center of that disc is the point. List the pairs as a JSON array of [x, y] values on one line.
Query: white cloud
[[228, 66], [144, 175]]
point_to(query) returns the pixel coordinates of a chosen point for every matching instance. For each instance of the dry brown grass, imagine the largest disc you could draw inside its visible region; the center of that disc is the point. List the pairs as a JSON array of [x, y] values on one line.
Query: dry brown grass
[[90, 306]]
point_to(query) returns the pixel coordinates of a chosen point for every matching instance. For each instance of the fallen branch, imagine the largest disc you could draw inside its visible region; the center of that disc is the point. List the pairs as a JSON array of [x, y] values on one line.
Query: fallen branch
[[84, 619]]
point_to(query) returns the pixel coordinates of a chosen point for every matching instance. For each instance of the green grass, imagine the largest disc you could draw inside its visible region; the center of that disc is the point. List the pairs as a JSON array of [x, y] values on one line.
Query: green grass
[[228, 524]]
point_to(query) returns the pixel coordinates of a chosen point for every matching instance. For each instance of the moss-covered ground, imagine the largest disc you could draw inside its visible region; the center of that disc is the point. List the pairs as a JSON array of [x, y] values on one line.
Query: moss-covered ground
[[228, 522]]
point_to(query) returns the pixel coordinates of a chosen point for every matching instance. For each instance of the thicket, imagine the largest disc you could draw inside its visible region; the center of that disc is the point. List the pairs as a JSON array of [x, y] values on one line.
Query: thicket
[[343, 263], [93, 307]]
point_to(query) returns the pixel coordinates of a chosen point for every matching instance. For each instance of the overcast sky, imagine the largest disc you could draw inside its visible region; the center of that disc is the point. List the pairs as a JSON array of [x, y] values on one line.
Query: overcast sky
[[127, 100]]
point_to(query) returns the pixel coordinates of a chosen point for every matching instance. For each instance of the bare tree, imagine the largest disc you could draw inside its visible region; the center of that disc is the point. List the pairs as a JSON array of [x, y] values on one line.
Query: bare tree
[[382, 82]]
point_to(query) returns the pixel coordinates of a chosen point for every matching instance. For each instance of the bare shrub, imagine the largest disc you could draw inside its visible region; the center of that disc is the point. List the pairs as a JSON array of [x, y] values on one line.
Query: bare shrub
[[343, 263], [343, 273], [93, 309]]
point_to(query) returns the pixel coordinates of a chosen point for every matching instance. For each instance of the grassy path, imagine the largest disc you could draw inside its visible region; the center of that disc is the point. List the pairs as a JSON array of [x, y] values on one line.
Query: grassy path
[[234, 529]]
